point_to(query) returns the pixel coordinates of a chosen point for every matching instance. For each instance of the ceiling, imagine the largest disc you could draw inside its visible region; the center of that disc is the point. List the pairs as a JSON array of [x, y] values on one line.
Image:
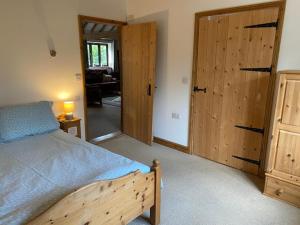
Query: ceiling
[[96, 28]]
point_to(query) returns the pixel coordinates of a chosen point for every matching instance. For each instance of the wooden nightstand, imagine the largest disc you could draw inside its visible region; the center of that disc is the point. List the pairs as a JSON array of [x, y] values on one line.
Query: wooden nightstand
[[71, 126]]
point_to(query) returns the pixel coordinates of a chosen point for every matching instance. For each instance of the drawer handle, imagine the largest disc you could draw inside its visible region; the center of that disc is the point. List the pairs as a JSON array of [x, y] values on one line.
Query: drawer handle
[[279, 192]]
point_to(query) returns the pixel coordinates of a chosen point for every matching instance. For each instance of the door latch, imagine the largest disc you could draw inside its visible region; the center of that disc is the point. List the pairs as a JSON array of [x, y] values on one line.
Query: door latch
[[149, 91], [197, 89]]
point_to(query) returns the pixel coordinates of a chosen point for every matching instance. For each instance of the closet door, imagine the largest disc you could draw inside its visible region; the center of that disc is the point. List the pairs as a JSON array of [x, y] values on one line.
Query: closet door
[[231, 86], [138, 66], [284, 160]]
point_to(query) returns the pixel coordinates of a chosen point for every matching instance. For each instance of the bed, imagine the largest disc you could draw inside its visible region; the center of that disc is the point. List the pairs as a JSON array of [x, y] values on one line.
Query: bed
[[55, 178]]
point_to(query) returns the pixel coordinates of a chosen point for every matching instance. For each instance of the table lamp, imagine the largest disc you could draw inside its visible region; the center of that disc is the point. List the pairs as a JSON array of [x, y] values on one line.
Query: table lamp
[[69, 110]]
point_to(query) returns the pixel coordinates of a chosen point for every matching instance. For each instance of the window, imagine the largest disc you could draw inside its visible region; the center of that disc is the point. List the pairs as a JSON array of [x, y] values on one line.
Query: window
[[97, 54]]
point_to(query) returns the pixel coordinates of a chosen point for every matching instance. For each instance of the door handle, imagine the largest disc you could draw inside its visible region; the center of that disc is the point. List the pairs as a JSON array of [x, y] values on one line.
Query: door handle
[[197, 89], [149, 91]]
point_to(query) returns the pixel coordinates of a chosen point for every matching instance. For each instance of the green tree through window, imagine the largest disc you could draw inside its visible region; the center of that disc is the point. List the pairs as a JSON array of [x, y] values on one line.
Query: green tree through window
[[104, 54], [97, 54]]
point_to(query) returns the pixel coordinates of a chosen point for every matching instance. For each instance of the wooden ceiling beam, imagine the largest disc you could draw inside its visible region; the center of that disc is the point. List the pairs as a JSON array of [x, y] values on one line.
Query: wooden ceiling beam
[[94, 27], [97, 36], [112, 28], [103, 28]]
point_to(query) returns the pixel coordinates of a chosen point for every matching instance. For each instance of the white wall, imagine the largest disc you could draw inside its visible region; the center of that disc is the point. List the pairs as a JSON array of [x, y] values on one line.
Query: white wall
[[27, 72], [175, 96]]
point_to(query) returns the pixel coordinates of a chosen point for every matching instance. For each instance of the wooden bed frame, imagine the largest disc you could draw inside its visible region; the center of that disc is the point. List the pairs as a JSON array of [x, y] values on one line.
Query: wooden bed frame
[[111, 202]]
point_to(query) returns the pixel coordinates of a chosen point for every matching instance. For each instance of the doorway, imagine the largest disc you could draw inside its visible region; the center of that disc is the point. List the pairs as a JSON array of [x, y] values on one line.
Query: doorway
[[118, 67], [235, 64], [100, 49]]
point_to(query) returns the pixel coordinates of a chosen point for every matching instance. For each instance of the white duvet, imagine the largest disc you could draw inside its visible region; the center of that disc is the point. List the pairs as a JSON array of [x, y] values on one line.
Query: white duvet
[[36, 172]]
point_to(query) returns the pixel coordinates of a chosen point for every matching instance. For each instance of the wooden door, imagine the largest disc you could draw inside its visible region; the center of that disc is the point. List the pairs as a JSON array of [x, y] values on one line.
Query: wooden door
[[232, 70], [138, 66]]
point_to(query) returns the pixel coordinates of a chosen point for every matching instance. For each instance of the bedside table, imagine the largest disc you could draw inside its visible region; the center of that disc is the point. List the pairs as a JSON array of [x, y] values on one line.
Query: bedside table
[[71, 126]]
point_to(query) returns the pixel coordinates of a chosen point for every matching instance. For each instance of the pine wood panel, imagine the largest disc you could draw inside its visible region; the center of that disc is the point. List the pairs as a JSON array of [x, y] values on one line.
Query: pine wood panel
[[279, 95], [233, 97], [138, 66], [288, 154], [255, 50], [113, 202], [291, 107], [212, 49]]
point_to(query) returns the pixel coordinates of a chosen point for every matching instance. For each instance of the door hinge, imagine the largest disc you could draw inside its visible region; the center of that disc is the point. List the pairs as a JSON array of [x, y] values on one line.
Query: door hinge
[[264, 25], [247, 160], [263, 69], [256, 130]]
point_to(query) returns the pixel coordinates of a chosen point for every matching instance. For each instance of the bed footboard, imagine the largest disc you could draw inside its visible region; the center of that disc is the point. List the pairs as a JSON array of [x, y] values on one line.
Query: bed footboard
[[113, 202]]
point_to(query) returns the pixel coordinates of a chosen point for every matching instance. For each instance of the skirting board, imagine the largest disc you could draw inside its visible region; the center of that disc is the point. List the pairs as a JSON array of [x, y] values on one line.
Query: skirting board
[[173, 145]]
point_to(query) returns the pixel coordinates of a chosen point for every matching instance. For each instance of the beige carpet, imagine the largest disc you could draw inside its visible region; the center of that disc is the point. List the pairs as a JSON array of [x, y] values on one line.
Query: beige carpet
[[200, 192]]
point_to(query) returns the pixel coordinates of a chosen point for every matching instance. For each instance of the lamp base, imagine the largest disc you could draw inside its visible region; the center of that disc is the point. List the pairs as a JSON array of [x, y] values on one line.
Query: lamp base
[[69, 116]]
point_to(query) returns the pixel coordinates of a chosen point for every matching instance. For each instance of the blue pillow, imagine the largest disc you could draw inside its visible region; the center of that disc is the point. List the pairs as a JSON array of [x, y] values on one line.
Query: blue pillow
[[26, 120]]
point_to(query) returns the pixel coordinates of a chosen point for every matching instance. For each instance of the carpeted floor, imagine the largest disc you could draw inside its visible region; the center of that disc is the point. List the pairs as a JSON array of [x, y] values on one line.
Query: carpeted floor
[[200, 192], [103, 120]]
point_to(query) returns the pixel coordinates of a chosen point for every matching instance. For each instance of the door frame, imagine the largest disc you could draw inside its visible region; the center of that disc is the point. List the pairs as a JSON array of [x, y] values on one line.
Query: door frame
[[82, 18], [281, 5]]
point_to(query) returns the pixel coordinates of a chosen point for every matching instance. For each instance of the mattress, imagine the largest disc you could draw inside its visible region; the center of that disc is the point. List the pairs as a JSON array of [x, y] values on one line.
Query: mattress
[[37, 171]]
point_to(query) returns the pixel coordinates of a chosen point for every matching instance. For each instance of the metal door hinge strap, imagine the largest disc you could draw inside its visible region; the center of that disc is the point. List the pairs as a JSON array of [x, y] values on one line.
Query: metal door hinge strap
[[247, 160], [264, 25], [267, 69], [257, 130]]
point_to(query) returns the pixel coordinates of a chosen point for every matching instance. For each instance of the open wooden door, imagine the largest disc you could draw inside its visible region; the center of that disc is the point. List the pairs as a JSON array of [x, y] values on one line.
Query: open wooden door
[[138, 66]]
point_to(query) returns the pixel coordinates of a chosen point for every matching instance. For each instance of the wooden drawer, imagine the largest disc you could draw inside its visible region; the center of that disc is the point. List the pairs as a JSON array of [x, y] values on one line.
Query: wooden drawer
[[282, 190]]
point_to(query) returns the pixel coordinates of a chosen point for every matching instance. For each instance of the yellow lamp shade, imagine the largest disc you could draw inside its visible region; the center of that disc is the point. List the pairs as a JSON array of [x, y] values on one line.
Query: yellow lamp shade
[[69, 108]]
